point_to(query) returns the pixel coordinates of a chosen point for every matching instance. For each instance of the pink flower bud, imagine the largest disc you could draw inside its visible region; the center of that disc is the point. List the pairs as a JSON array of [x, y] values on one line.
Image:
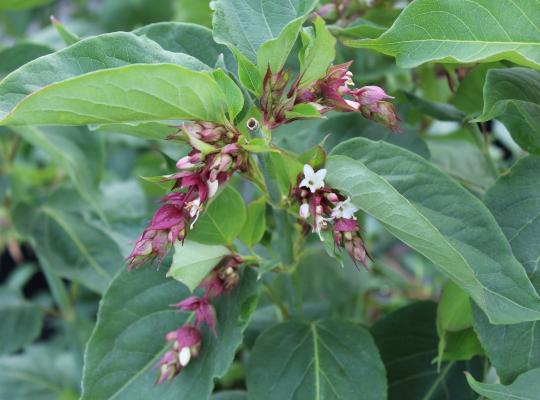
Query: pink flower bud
[[369, 95]]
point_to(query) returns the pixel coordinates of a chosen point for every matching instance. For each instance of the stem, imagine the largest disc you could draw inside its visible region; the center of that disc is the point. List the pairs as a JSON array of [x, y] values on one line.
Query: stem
[[277, 301], [483, 144], [284, 221]]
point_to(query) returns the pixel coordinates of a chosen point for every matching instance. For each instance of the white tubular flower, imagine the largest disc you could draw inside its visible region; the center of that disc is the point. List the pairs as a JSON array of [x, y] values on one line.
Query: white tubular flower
[[344, 209], [304, 210], [184, 356], [313, 180]]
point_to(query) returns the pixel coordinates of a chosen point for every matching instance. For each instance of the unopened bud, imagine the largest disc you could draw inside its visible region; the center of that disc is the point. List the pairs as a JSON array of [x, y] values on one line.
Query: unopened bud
[[184, 356]]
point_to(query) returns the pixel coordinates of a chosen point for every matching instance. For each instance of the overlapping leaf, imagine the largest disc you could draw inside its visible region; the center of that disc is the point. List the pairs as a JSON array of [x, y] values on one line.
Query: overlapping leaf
[[247, 24], [433, 214], [463, 31], [514, 200], [129, 338], [320, 360], [512, 95]]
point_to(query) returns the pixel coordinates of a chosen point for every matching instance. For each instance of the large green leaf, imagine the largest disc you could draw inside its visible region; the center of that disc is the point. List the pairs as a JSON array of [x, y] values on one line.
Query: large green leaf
[[434, 215], [515, 202], [407, 340], [194, 40], [69, 245], [512, 95], [88, 55], [247, 24], [223, 220], [44, 373], [192, 261], [129, 338], [21, 321], [463, 31], [132, 93], [526, 387], [328, 359]]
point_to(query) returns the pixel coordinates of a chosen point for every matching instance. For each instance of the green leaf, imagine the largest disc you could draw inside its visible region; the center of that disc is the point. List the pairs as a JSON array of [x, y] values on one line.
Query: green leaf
[[512, 95], [231, 92], [248, 74], [462, 31], [318, 53], [273, 53], [457, 339], [69, 245], [248, 24], [126, 94], [462, 159], [223, 220], [194, 40], [255, 224], [437, 217], [43, 373], [454, 312], [21, 321], [19, 54], [192, 261], [514, 200], [303, 110], [284, 168], [67, 36], [407, 340], [525, 387], [327, 359], [128, 339], [468, 97]]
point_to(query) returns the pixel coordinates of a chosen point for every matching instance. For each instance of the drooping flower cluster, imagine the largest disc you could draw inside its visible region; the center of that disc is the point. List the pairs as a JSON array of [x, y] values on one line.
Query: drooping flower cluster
[[335, 91], [186, 340], [326, 208], [215, 156]]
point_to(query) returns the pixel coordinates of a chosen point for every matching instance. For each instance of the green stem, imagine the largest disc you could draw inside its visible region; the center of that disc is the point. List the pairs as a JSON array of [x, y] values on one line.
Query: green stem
[[277, 301], [284, 221], [483, 145]]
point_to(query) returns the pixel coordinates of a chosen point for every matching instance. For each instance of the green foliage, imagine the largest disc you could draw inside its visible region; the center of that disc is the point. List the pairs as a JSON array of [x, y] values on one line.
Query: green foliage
[[195, 126], [454, 220], [128, 338], [525, 387], [513, 96], [410, 371], [318, 359], [192, 261], [462, 31]]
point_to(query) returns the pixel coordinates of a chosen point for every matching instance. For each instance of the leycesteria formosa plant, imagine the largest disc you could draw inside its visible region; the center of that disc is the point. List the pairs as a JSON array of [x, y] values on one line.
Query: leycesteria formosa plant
[[261, 211], [218, 151]]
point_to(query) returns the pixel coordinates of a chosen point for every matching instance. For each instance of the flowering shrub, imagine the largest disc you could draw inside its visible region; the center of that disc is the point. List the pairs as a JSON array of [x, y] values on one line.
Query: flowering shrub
[[310, 200]]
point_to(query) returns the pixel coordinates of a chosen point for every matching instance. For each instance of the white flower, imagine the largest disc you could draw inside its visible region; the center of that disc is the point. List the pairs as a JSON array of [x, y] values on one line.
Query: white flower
[[184, 356], [344, 209], [304, 210], [212, 188], [313, 180]]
